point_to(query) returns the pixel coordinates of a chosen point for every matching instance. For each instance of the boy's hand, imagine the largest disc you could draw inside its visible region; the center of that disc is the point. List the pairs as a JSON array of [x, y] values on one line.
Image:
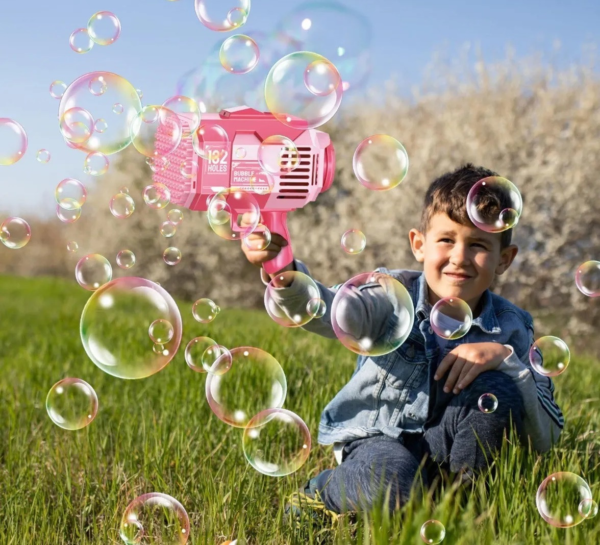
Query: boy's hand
[[469, 360]]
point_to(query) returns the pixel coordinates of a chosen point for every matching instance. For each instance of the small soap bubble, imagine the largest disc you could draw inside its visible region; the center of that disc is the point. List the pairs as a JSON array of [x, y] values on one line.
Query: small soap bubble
[[239, 54], [558, 499], [259, 239], [93, 271], [262, 182], [126, 259], [157, 164], [161, 331], [96, 164], [316, 308], [80, 41], [160, 349], [205, 310], [15, 233], [67, 216], [117, 108], [494, 204], [222, 16], [451, 318], [122, 205], [172, 256], [194, 351], [104, 27], [237, 17], [70, 194], [76, 125], [353, 241], [187, 169], [321, 78], [433, 532], [276, 442], [124, 189], [97, 85], [156, 127], [587, 278], [188, 112], [57, 88], [380, 162], [100, 125], [278, 154], [13, 141], [72, 404], [549, 356], [588, 508], [157, 196], [175, 216], [487, 403], [72, 247], [43, 156], [221, 209], [306, 290], [217, 360], [168, 229]]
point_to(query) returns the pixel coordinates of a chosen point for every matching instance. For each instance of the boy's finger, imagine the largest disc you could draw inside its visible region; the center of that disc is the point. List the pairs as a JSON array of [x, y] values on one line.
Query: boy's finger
[[278, 239], [461, 381], [444, 365], [454, 373]]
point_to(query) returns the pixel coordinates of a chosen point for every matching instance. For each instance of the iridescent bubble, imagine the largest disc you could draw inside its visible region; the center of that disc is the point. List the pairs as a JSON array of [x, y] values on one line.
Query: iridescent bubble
[[451, 318], [80, 41], [205, 310], [67, 216], [43, 156], [558, 499], [353, 241], [587, 278], [549, 356], [278, 154], [70, 194], [380, 162], [76, 125], [588, 508], [259, 242], [262, 183], [13, 141], [97, 85], [211, 142], [290, 100], [104, 27], [187, 169], [175, 216], [158, 163], [217, 360], [157, 196], [161, 331], [96, 164], [72, 404], [304, 289], [194, 351], [160, 349], [15, 233], [359, 294], [222, 213], [316, 308], [126, 351], [276, 442], [433, 532], [124, 189], [140, 93], [156, 131], [155, 518], [172, 256], [222, 16], [229, 396], [72, 247], [188, 112], [239, 54], [57, 88], [494, 204], [93, 271], [119, 96], [126, 259], [321, 78], [168, 229], [100, 125], [122, 205], [487, 403]]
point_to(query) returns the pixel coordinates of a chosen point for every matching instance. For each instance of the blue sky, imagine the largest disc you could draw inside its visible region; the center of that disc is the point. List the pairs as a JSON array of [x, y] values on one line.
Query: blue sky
[[161, 40]]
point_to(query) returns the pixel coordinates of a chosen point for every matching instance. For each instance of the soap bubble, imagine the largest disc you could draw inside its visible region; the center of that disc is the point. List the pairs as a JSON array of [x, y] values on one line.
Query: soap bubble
[[222, 16], [360, 294], [221, 213], [188, 112], [433, 532], [194, 351], [380, 162], [43, 156], [587, 278], [168, 229], [187, 169], [278, 154], [70, 194], [175, 216], [72, 246], [161, 331], [172, 256], [353, 241], [93, 271], [451, 318], [80, 41], [487, 403], [96, 164], [67, 216], [158, 163], [157, 196], [13, 141], [229, 395], [100, 125], [211, 142], [72, 404], [260, 243], [549, 356], [494, 204], [303, 288], [76, 125], [205, 310], [104, 27], [239, 54], [119, 96], [290, 100], [262, 182], [321, 78], [204, 355], [276, 442], [97, 85], [155, 518], [126, 259], [15, 233], [155, 131], [122, 205], [126, 351], [588, 508], [57, 88], [558, 499], [316, 308]]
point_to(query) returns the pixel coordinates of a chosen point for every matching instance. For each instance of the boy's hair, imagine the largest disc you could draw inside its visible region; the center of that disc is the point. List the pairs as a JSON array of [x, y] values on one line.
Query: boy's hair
[[448, 194]]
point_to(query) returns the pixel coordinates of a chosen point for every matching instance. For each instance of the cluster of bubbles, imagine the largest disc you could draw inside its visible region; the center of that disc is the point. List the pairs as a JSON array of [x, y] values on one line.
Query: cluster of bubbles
[[103, 28]]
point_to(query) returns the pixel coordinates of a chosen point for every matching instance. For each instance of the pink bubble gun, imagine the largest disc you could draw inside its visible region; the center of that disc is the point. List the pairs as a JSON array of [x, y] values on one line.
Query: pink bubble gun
[[232, 139]]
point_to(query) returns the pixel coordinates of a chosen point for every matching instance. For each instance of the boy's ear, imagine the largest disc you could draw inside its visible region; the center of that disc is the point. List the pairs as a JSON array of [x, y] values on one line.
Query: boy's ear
[[417, 241], [506, 258]]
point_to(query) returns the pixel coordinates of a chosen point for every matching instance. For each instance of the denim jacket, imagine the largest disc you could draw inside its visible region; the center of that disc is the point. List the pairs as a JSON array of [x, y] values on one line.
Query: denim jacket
[[390, 394]]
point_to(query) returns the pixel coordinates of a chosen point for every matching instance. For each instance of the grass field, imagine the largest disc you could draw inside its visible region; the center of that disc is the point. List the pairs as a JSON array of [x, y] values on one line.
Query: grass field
[[159, 434]]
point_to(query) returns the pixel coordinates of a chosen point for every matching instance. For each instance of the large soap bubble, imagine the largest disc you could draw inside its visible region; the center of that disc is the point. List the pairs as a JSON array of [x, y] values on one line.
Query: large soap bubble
[[222, 15], [494, 204], [558, 499]]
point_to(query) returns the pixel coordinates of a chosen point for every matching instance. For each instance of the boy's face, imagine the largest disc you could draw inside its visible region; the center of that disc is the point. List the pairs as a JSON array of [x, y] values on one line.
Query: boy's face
[[449, 247]]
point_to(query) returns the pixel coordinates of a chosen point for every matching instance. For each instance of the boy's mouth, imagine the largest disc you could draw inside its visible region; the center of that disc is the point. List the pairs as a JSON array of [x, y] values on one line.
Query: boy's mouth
[[459, 277]]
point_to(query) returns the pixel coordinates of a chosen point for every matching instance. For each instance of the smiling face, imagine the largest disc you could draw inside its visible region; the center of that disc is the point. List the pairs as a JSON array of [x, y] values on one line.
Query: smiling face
[[459, 260]]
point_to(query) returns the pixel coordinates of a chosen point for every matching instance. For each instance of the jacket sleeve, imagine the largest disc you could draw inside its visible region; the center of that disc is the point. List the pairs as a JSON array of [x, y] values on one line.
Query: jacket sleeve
[[543, 420]]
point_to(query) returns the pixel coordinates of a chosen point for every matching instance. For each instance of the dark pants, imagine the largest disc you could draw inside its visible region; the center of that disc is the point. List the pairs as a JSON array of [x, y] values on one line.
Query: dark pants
[[462, 439]]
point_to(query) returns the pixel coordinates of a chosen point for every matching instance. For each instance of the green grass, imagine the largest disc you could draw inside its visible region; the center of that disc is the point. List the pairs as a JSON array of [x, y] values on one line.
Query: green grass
[[158, 434]]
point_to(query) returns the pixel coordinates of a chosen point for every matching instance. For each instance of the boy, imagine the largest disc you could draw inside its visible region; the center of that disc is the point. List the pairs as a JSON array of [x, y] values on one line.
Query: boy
[[421, 401]]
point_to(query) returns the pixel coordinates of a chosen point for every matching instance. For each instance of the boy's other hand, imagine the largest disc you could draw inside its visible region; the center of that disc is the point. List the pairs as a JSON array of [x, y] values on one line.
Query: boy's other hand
[[466, 361]]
